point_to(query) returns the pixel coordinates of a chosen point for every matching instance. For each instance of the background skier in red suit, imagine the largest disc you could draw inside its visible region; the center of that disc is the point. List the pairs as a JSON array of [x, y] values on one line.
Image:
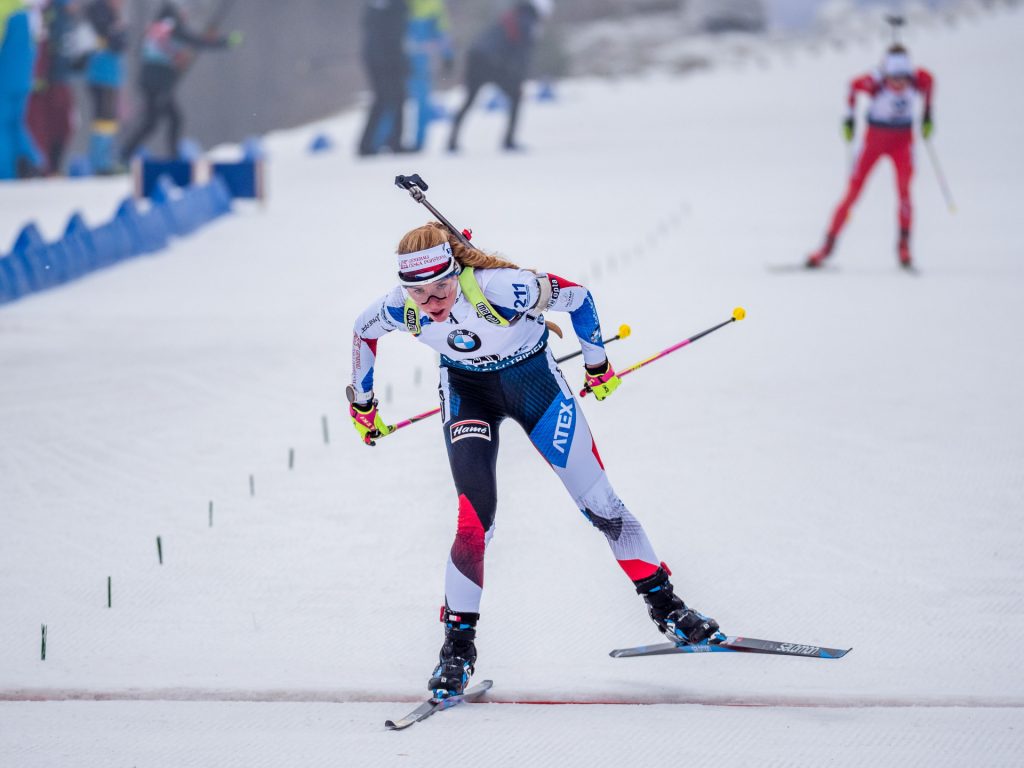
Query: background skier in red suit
[[893, 89]]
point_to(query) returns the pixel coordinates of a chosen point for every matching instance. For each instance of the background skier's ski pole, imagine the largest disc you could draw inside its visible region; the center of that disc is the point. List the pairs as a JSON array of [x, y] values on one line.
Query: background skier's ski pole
[[624, 331], [737, 314], [940, 176]]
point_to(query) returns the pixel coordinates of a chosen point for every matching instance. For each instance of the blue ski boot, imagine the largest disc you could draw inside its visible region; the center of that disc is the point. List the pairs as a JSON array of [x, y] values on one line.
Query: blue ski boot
[[458, 654], [681, 624]]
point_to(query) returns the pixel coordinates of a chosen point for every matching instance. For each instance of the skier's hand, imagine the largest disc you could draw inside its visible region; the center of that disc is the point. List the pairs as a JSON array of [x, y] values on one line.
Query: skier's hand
[[601, 379], [926, 126], [848, 129], [368, 422]]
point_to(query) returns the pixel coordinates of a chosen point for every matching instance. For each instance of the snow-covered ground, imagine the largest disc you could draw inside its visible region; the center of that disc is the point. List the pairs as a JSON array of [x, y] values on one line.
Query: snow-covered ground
[[844, 467]]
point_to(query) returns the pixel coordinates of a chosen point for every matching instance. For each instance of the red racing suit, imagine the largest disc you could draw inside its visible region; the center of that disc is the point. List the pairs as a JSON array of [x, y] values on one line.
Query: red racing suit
[[890, 132]]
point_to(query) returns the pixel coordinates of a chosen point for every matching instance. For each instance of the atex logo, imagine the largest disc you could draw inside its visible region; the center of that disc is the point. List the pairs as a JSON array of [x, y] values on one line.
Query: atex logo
[[469, 428], [563, 426], [462, 340]]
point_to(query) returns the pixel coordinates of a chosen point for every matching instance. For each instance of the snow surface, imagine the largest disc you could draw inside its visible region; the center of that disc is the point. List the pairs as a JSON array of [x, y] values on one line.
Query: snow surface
[[844, 467]]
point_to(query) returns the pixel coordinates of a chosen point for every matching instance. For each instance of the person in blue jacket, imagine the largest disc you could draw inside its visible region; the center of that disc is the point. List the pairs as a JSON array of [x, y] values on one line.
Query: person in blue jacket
[[105, 75], [17, 58], [501, 55], [428, 36]]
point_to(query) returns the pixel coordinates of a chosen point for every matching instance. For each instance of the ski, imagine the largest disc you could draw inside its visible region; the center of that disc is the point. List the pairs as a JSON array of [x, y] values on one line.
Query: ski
[[430, 706], [735, 645]]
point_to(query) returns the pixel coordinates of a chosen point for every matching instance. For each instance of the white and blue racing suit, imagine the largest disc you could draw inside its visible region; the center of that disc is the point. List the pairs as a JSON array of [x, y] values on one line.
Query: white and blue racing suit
[[490, 372]]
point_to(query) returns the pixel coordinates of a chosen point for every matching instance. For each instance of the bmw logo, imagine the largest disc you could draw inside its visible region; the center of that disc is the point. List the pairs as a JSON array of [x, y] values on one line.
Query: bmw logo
[[462, 340]]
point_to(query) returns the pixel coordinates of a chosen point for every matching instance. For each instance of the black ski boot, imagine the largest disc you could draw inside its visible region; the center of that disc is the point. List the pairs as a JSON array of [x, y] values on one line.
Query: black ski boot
[[683, 625], [458, 654]]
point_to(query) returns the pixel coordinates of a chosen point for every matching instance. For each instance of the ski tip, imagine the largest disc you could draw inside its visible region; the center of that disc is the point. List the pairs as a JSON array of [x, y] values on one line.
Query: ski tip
[[390, 724]]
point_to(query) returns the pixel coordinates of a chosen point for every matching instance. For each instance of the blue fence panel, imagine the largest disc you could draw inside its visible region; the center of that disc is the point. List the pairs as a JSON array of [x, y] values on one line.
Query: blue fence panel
[[244, 179], [78, 240], [13, 280], [178, 171], [149, 231], [40, 266], [28, 237], [113, 242]]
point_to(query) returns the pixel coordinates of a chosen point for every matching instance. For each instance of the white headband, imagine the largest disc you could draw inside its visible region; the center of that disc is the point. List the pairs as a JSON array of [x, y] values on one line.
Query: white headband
[[897, 65], [426, 266]]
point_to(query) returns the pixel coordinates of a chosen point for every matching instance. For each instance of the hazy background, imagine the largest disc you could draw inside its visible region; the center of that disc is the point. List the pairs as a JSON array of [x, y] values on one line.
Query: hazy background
[[316, 43]]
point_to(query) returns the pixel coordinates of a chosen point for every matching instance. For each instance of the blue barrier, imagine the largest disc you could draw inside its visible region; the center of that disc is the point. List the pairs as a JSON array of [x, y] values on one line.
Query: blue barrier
[[546, 91], [148, 231], [13, 281], [39, 267], [148, 173], [34, 265], [169, 200], [497, 102], [78, 241], [243, 179], [320, 143], [28, 237]]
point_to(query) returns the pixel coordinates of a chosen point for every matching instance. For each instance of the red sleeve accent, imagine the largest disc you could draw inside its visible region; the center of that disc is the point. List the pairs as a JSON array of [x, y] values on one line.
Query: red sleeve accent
[[371, 343], [865, 84], [925, 82], [562, 282]]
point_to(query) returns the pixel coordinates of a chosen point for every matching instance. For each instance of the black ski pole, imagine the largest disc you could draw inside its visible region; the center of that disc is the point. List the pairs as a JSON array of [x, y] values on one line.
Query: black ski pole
[[416, 186]]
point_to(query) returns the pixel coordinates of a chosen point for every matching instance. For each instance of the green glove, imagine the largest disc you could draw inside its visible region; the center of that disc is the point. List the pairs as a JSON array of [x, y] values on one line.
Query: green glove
[[848, 129], [368, 422], [235, 39], [601, 380], [926, 126]]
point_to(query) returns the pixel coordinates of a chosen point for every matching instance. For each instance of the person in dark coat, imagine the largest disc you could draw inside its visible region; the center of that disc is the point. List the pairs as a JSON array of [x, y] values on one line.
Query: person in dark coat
[[168, 48], [501, 55], [387, 67]]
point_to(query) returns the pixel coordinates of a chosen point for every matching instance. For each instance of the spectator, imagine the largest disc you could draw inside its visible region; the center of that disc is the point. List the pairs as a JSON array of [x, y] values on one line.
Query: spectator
[[105, 75], [52, 101], [167, 51], [428, 35], [384, 31], [501, 55], [17, 56]]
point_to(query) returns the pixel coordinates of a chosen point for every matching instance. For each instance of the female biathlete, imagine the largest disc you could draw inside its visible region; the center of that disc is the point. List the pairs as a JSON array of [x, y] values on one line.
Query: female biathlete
[[484, 315]]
